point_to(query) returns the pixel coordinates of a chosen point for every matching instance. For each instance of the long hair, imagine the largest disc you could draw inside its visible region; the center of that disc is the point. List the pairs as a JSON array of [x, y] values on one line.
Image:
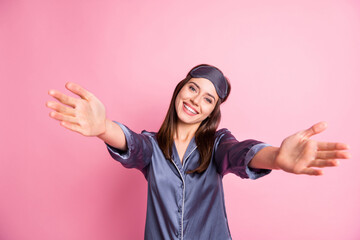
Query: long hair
[[205, 134]]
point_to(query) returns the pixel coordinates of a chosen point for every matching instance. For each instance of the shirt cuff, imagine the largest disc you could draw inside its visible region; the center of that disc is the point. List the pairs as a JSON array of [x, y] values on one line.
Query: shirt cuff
[[255, 173], [117, 153]]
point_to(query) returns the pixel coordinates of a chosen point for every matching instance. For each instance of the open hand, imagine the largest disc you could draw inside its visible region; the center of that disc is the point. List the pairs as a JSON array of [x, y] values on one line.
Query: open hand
[[299, 154], [85, 115]]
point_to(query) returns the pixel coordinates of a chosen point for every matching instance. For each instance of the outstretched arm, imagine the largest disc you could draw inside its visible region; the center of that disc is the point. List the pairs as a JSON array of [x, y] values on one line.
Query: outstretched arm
[[85, 115], [299, 154]]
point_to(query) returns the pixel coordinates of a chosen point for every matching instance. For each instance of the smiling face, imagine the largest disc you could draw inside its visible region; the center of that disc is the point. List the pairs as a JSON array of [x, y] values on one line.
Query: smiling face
[[196, 101]]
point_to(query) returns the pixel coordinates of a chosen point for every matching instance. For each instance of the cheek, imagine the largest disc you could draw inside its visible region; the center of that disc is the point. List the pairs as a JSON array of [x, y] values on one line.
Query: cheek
[[181, 95], [207, 110], [177, 102], [178, 99]]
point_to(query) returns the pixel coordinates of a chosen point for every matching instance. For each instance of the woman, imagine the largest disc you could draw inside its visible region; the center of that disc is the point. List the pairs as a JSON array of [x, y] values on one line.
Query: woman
[[184, 162]]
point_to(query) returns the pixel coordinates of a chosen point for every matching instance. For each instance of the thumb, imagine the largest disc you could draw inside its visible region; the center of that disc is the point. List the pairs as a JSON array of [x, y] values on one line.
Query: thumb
[[315, 129]]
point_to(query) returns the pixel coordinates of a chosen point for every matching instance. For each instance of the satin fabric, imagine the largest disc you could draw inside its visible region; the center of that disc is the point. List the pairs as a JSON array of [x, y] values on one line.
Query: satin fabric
[[187, 206], [215, 76]]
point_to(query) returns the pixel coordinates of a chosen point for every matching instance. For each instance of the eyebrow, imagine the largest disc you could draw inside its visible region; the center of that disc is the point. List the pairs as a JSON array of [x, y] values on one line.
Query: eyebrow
[[200, 88]]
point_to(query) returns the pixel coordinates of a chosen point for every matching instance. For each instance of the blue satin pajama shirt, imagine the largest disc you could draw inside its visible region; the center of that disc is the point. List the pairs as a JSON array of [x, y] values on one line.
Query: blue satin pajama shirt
[[187, 206]]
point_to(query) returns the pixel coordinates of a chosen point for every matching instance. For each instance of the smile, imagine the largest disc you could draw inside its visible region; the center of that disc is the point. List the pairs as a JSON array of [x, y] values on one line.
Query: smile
[[190, 109]]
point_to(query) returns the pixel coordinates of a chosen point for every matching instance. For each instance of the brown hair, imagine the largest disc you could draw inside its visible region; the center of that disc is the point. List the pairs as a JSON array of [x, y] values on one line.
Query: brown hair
[[205, 134]]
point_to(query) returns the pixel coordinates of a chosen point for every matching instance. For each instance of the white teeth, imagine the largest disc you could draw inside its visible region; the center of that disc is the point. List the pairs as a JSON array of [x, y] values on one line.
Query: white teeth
[[191, 110]]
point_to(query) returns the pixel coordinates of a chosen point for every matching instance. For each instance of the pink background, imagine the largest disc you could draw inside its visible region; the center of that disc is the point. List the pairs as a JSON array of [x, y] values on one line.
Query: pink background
[[291, 64]]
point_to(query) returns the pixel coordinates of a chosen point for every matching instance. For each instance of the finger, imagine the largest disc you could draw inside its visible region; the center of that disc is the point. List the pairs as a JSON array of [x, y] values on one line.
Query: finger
[[78, 90], [63, 98], [332, 146], [71, 126], [312, 171], [62, 117], [332, 154], [324, 163], [61, 108], [314, 129]]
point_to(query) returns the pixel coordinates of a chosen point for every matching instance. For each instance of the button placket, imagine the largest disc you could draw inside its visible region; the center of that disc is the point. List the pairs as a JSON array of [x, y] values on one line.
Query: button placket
[[183, 202], [182, 186]]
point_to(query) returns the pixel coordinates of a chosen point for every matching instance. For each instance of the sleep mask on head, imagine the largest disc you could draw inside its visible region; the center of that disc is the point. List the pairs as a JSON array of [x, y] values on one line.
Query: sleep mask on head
[[215, 76]]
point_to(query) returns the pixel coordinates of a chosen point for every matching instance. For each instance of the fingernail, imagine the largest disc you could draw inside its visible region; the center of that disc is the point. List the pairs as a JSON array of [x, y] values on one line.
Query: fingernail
[[323, 124]]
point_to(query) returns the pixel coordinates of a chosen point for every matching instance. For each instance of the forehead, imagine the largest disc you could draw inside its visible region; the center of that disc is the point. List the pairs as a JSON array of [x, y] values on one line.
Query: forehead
[[205, 85]]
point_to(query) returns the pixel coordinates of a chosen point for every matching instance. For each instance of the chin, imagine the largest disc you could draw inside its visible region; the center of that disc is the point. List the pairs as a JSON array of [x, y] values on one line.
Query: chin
[[187, 120]]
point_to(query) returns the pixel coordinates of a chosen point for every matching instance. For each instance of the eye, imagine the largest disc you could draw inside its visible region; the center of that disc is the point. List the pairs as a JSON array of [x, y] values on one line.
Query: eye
[[208, 100], [192, 88]]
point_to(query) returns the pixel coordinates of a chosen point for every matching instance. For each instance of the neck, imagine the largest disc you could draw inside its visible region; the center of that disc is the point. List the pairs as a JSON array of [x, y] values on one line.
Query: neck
[[185, 132]]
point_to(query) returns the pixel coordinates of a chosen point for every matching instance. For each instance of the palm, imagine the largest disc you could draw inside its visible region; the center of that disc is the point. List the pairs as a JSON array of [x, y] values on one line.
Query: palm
[[85, 115], [299, 154]]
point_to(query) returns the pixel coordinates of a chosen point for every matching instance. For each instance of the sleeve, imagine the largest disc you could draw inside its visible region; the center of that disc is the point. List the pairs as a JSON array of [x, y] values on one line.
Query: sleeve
[[232, 156], [139, 152]]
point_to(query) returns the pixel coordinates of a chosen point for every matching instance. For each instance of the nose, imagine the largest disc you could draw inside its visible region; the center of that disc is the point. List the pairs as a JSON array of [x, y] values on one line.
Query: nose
[[195, 99]]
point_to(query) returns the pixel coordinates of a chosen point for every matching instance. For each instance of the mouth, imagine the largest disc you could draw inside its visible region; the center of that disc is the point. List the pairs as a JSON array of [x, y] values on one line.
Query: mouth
[[190, 110]]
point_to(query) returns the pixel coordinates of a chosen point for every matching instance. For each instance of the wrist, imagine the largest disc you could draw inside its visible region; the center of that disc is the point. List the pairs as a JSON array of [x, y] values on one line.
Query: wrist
[[277, 159], [106, 129], [266, 158]]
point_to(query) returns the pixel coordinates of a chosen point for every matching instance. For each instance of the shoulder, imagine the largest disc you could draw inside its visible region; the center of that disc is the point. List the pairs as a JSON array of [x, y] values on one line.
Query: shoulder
[[149, 134], [221, 133], [145, 132]]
